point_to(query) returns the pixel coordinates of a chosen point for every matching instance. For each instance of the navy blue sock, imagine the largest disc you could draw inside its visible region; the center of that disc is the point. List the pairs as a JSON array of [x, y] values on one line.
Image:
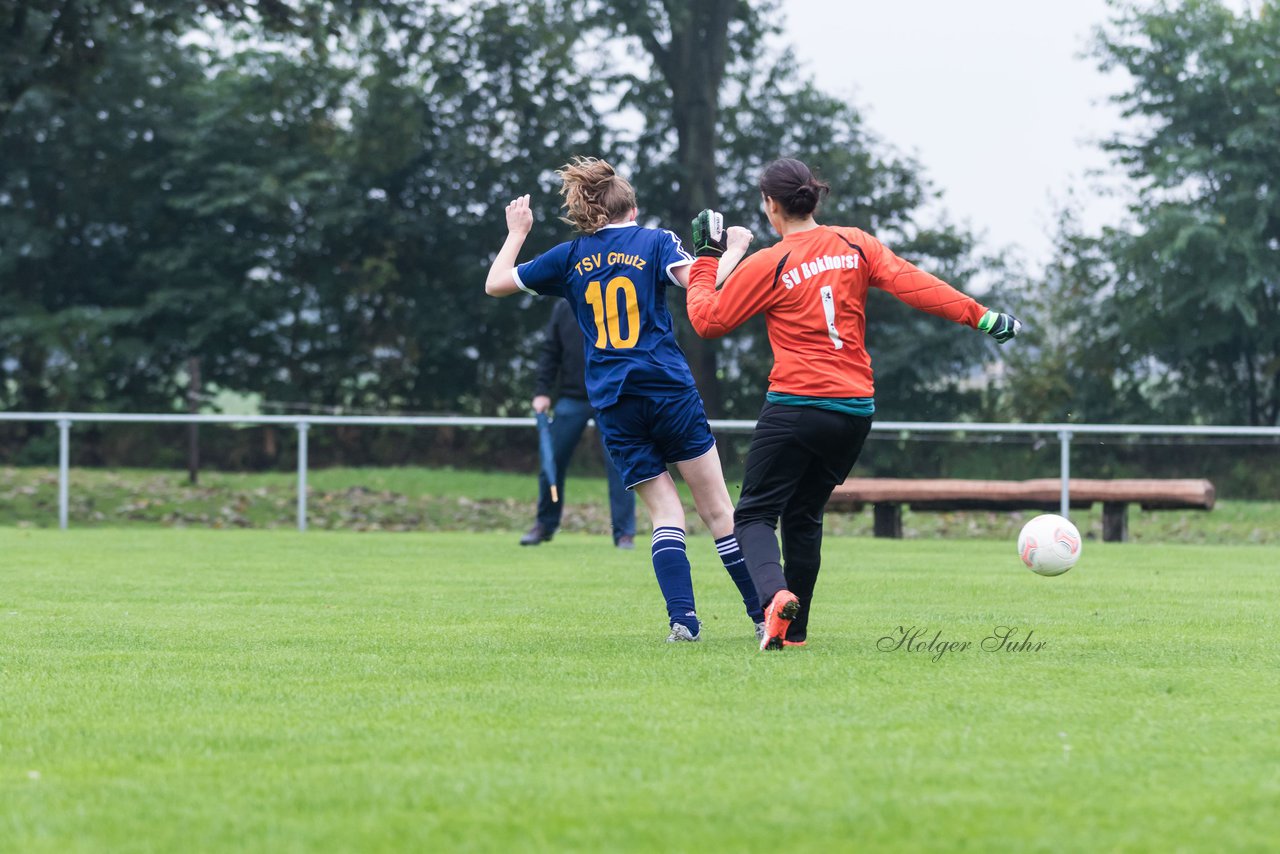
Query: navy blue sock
[[736, 564], [671, 565]]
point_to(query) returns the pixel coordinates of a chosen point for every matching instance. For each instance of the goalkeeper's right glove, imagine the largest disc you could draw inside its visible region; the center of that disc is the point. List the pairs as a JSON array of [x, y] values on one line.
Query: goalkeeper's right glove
[[708, 234], [1000, 326]]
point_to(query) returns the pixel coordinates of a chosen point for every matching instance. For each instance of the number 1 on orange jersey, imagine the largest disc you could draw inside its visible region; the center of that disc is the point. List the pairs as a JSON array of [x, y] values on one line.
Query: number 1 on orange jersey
[[829, 310]]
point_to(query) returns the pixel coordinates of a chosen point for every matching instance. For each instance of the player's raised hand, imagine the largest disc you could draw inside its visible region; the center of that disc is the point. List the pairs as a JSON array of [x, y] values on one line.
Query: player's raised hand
[[519, 216], [1000, 326], [738, 238], [708, 234]]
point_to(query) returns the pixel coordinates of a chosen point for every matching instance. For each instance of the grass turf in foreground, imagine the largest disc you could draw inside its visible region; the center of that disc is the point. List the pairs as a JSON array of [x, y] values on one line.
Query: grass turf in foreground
[[274, 691]]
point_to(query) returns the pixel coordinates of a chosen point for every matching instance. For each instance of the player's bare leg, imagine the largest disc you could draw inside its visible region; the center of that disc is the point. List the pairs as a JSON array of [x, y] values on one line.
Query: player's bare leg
[[662, 500], [710, 496]]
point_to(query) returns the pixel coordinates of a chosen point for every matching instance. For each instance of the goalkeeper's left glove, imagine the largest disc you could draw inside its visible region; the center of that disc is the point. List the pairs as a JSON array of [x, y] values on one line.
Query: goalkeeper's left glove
[[708, 234], [1000, 326]]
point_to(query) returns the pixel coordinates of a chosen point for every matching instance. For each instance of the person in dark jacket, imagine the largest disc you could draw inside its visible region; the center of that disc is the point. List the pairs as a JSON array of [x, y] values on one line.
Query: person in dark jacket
[[560, 367]]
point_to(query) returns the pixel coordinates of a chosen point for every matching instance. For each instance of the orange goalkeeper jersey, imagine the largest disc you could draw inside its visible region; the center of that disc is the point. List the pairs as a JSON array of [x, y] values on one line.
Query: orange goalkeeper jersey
[[812, 289]]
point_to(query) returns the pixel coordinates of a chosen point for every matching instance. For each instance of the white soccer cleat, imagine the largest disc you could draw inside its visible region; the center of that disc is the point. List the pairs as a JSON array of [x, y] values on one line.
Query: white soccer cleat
[[680, 634]]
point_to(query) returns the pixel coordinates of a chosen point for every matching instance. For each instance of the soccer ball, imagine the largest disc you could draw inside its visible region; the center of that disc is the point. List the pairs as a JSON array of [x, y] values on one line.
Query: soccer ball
[[1049, 545]]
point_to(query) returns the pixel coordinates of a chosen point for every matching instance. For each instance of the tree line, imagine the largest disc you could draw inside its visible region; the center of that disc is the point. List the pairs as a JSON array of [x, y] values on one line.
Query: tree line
[[298, 201]]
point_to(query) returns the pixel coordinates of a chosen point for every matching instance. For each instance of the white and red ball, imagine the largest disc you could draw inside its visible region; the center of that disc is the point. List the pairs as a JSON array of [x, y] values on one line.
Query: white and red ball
[[1049, 545]]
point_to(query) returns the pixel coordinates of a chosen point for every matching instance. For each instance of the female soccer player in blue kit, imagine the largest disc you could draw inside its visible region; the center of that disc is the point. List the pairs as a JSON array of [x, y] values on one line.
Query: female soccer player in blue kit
[[614, 276]]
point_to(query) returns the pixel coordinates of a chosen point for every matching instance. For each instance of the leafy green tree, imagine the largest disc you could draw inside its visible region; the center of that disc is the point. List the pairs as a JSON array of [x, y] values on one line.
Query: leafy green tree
[[112, 271], [308, 204], [79, 209], [1194, 302], [307, 225], [55, 46], [1071, 364], [494, 99]]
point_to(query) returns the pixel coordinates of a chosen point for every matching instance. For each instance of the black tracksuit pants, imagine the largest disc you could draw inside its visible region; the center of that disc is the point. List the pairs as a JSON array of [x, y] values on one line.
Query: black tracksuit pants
[[798, 455]]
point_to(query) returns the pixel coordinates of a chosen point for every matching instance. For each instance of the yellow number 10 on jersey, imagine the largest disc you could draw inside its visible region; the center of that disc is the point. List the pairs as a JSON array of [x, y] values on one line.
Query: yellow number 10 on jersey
[[604, 305]]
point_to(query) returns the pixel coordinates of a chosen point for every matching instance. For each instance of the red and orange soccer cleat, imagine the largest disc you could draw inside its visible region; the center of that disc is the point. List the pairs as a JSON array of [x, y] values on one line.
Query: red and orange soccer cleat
[[777, 617]]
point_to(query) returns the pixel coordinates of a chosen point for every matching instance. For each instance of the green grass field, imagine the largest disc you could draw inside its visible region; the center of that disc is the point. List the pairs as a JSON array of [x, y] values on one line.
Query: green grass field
[[271, 691]]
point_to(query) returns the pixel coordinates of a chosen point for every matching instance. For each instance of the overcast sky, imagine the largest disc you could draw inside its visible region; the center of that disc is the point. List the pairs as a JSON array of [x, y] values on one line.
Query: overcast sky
[[992, 96]]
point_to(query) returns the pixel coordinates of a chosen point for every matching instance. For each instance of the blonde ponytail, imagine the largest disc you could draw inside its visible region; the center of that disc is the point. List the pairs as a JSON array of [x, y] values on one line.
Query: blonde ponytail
[[594, 195]]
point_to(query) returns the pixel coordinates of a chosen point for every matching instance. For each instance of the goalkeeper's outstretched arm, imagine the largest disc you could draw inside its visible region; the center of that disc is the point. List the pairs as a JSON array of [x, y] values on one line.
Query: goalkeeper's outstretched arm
[[502, 277], [928, 293]]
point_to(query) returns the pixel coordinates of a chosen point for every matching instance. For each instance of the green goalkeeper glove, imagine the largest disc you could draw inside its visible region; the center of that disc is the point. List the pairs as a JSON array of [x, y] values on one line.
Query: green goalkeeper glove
[[1000, 326], [708, 234]]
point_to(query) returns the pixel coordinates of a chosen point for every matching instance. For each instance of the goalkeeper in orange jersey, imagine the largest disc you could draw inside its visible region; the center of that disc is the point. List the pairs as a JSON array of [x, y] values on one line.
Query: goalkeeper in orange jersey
[[812, 289]]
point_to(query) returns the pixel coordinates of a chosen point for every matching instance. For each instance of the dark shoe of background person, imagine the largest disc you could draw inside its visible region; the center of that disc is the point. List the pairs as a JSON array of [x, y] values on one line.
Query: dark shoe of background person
[[537, 534], [625, 542]]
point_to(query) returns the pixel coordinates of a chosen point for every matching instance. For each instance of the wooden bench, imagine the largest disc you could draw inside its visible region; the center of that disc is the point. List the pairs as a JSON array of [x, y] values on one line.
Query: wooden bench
[[887, 495]]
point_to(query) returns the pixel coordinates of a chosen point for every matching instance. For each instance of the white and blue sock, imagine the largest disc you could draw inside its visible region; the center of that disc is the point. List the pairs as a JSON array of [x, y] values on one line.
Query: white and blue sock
[[671, 566], [736, 565]]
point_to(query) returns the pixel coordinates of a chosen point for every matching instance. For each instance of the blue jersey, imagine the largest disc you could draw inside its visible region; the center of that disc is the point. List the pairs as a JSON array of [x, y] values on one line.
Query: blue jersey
[[616, 282]]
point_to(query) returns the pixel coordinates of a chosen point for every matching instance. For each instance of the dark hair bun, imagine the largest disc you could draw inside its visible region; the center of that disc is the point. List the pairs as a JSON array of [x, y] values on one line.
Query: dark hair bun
[[792, 185]]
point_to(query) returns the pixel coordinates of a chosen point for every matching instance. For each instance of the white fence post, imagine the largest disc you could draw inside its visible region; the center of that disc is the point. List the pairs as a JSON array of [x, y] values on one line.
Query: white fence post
[[1064, 505], [64, 466], [303, 427]]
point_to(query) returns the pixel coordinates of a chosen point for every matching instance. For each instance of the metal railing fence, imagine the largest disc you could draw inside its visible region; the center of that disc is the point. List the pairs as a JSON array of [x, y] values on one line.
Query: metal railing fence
[[303, 423]]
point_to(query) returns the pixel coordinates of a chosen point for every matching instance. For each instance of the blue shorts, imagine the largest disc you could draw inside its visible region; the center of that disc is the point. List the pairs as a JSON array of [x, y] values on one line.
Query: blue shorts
[[645, 434]]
